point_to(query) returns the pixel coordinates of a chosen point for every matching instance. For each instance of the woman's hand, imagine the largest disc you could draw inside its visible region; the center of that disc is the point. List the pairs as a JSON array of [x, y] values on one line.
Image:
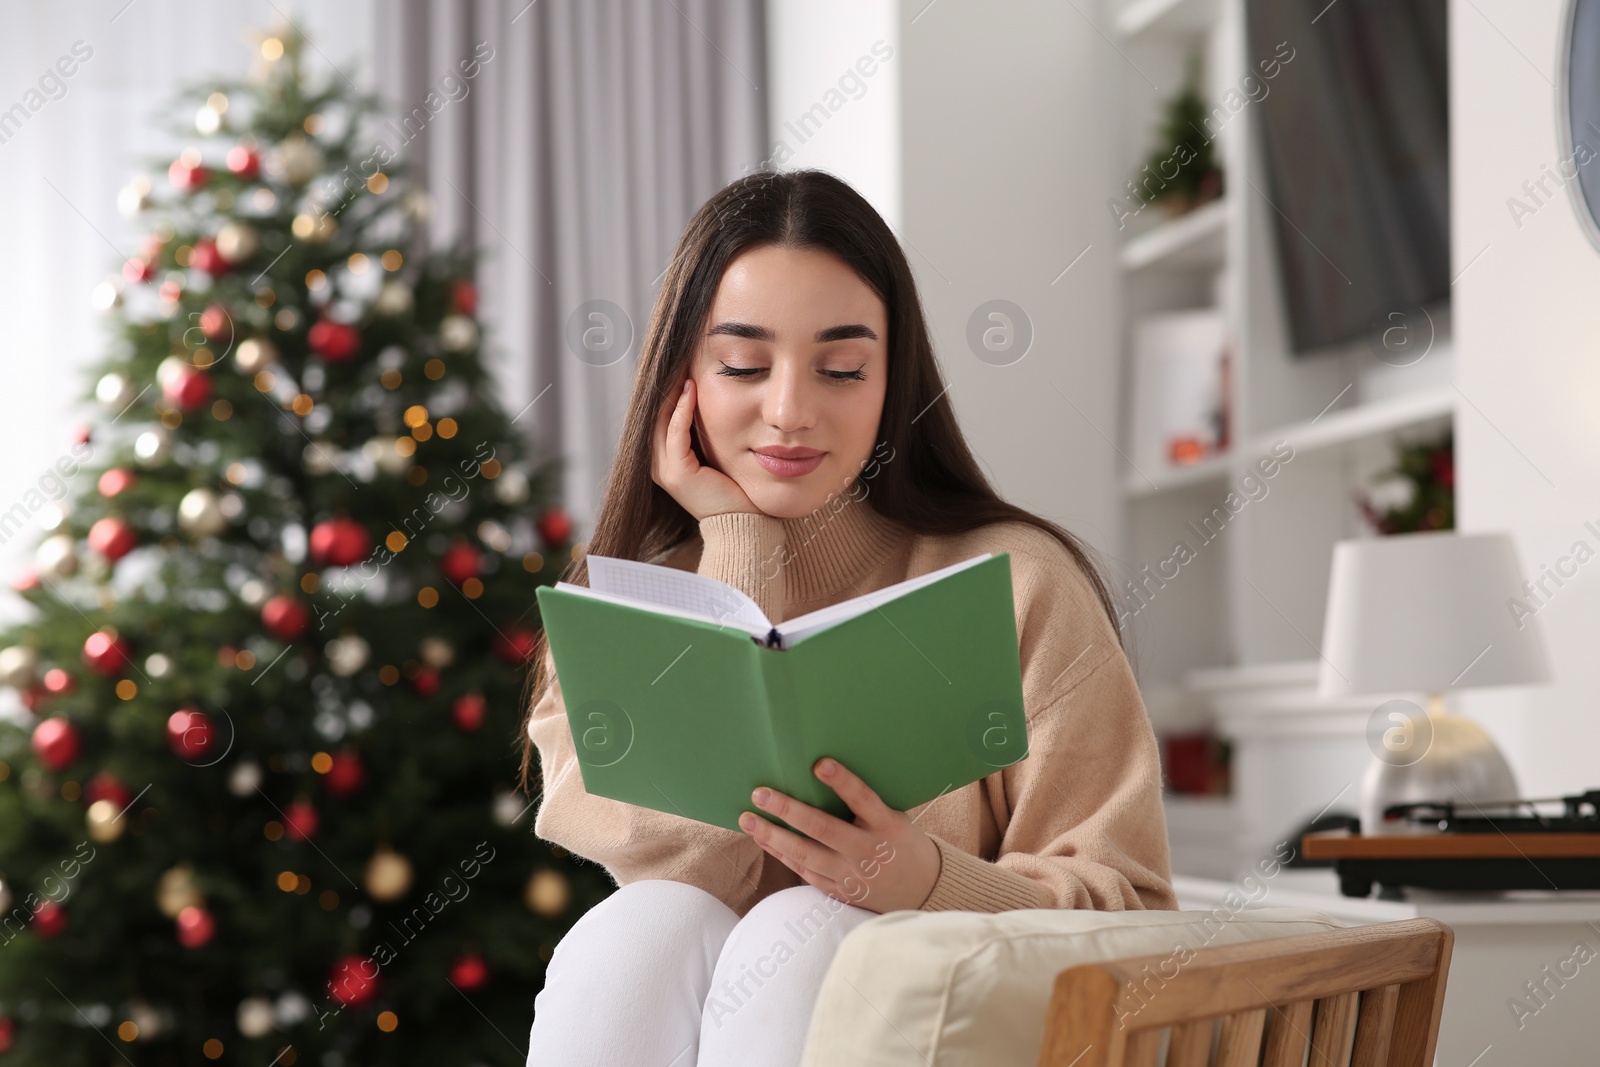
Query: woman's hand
[[881, 862], [701, 489]]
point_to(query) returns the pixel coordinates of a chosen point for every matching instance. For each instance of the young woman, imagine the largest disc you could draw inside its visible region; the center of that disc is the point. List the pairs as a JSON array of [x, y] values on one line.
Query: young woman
[[789, 434]]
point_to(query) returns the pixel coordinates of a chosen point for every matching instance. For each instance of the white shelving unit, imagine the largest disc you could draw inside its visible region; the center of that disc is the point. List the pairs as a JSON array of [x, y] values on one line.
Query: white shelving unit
[[1252, 593]]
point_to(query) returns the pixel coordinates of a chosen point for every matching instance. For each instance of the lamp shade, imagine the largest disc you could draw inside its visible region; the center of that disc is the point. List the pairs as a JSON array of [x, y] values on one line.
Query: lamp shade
[[1427, 611]]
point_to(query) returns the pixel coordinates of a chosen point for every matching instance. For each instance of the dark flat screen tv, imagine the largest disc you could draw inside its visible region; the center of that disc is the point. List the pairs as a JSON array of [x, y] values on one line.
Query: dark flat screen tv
[[1355, 135]]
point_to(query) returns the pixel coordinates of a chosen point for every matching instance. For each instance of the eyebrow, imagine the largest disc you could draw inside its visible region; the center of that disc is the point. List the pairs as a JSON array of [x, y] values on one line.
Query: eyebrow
[[751, 332]]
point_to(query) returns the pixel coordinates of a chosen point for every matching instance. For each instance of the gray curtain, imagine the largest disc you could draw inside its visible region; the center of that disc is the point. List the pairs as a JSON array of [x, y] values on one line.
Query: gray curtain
[[573, 156]]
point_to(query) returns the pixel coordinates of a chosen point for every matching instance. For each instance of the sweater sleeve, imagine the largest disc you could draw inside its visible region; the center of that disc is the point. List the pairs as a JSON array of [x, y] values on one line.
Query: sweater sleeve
[[634, 842], [1081, 818]]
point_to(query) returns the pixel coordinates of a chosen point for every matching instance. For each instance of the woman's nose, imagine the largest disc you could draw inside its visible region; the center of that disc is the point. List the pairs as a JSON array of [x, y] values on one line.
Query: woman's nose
[[788, 403]]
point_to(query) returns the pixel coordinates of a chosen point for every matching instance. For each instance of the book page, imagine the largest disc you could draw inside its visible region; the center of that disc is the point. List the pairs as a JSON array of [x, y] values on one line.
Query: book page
[[757, 630], [803, 626], [694, 594]]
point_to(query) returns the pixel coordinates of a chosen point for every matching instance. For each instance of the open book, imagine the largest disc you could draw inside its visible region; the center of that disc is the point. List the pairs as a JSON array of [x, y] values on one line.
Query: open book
[[683, 696]]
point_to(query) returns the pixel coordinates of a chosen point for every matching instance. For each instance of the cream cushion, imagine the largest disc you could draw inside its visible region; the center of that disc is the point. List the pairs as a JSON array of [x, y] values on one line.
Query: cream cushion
[[949, 988]]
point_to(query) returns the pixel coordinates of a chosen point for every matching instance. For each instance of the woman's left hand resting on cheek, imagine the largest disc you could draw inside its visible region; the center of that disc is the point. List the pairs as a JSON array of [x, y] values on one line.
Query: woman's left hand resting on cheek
[[881, 862]]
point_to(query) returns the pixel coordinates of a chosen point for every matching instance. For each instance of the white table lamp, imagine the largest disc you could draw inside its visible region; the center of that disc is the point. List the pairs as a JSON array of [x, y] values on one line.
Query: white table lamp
[[1427, 612]]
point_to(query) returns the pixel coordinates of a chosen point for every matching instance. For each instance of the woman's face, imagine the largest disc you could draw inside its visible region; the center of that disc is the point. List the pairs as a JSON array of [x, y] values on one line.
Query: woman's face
[[794, 359]]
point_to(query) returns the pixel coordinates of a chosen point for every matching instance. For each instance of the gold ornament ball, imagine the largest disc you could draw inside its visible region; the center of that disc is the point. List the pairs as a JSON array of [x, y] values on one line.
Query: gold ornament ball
[[255, 1017], [395, 299], [176, 890], [437, 652], [115, 392], [19, 667], [200, 513], [237, 241], [254, 355], [314, 228], [148, 1020], [153, 447], [388, 875], [57, 556], [548, 892], [458, 333], [347, 655], [105, 821], [297, 159]]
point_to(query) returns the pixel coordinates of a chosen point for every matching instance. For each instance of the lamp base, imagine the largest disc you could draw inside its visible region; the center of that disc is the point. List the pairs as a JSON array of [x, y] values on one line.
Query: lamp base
[[1460, 764]]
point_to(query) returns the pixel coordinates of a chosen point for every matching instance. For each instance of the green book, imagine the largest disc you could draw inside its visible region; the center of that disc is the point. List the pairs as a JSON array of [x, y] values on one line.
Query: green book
[[683, 697]]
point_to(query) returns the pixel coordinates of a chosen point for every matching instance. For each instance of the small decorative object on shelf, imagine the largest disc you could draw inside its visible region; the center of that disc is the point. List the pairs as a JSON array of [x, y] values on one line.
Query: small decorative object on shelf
[[1196, 763], [1181, 172], [1418, 492]]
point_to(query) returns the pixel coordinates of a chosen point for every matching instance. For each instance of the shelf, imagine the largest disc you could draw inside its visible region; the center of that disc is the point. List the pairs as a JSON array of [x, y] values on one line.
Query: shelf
[[1192, 240], [1363, 420], [1135, 17], [1172, 477], [1337, 427]]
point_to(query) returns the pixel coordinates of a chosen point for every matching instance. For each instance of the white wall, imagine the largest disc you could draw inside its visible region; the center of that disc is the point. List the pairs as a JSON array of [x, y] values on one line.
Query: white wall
[[1009, 124], [833, 96], [1527, 318]]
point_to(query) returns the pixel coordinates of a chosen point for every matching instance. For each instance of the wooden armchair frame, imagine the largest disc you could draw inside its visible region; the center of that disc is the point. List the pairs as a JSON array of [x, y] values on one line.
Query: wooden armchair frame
[[1364, 997]]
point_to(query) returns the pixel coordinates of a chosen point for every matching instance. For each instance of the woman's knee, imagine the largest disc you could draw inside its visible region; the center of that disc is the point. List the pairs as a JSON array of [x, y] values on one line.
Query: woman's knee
[[655, 911]]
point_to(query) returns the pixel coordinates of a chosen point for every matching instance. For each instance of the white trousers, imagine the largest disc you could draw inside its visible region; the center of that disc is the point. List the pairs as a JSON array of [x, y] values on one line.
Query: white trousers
[[663, 974]]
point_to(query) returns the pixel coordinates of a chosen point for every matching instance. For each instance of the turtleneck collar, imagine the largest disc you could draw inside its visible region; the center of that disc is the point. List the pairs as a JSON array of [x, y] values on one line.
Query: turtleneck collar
[[828, 551]]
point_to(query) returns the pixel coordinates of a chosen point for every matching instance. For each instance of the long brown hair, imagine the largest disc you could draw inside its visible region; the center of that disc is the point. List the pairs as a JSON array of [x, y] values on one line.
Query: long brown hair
[[937, 488]]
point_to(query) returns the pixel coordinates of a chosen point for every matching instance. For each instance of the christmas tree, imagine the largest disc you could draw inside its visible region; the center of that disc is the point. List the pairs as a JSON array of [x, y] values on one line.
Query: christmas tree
[[256, 783]]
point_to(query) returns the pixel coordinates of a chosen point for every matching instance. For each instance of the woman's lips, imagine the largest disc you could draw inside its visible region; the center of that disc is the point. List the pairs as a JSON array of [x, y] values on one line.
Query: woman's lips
[[789, 468]]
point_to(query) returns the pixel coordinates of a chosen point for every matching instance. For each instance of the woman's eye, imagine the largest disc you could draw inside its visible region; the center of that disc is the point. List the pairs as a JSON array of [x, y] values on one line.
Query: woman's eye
[[836, 375]]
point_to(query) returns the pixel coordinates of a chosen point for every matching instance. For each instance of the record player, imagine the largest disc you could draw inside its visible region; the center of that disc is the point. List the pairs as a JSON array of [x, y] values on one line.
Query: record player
[[1481, 846]]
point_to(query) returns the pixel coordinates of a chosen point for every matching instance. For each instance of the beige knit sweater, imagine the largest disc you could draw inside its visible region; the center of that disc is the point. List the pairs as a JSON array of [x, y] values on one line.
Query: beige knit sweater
[[1078, 823]]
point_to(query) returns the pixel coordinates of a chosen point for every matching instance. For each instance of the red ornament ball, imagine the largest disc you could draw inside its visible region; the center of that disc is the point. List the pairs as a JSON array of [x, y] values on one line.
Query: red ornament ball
[[112, 537], [55, 742], [286, 617], [243, 162], [555, 527], [187, 388], [468, 711], [514, 645], [425, 682], [138, 269], [8, 1033], [116, 481], [216, 323], [464, 297], [105, 653], [299, 821], [59, 682], [353, 981], [50, 920], [461, 561], [346, 776], [469, 972], [107, 786], [339, 542], [205, 257], [195, 926], [333, 341], [190, 733], [186, 178]]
